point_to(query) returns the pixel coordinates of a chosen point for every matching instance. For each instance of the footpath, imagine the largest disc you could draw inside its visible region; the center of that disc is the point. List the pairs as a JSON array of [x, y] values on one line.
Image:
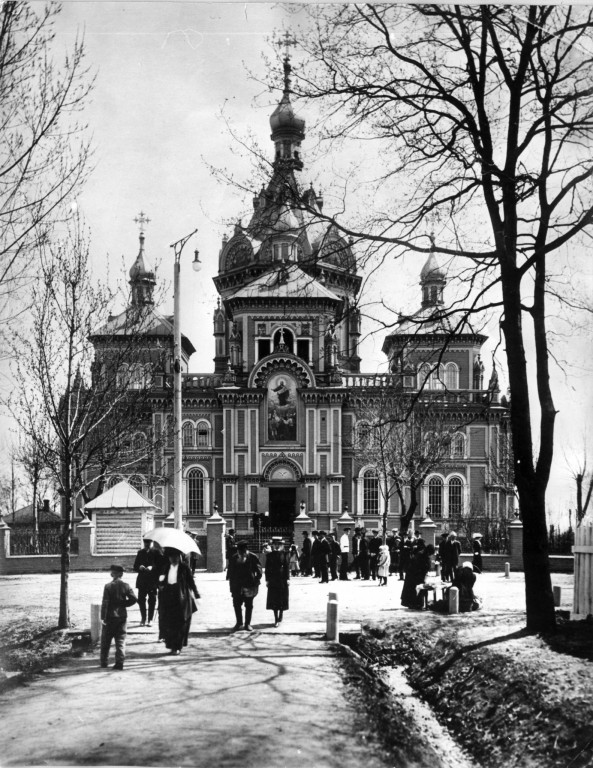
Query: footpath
[[274, 697]]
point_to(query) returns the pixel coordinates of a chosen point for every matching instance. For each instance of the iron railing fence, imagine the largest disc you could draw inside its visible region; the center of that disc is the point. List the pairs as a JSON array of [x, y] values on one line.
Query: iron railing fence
[[28, 542]]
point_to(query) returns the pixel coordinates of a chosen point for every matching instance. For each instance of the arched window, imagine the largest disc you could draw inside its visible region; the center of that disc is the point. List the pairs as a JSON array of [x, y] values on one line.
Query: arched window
[[139, 445], [458, 446], [284, 336], [137, 377], [195, 492], [452, 376], [136, 482], [435, 497], [370, 493], [437, 377], [113, 480], [455, 497], [188, 435], [121, 379], [203, 433], [424, 376]]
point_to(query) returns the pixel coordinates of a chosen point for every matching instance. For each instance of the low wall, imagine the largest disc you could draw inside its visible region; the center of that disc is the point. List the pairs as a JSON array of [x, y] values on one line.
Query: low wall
[[558, 563], [85, 560]]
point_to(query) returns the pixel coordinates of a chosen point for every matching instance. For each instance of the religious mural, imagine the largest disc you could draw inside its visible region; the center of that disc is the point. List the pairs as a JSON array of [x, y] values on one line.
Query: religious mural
[[282, 401]]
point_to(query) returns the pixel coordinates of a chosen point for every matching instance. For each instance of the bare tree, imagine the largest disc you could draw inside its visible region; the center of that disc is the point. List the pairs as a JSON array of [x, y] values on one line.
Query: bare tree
[[44, 157], [30, 455], [583, 478], [91, 406], [482, 115], [403, 437]]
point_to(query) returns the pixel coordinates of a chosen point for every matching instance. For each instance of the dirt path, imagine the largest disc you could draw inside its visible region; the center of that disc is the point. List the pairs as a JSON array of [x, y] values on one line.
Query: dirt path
[[249, 700]]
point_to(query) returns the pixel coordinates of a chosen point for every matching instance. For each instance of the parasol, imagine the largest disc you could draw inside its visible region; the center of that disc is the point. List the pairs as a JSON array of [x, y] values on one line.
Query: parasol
[[173, 538]]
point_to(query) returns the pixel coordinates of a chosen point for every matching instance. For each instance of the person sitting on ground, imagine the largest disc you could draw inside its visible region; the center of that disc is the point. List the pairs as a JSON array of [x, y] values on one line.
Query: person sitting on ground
[[416, 574], [464, 579]]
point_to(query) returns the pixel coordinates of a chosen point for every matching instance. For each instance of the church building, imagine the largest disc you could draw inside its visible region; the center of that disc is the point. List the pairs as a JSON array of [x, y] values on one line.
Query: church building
[[269, 429]]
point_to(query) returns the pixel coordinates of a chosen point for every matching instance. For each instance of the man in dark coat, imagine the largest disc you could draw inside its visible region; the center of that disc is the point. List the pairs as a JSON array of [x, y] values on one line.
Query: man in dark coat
[[393, 542], [407, 547], [356, 552], [277, 578], [324, 555], [306, 554], [333, 556], [229, 546], [146, 566], [363, 555], [117, 598], [244, 576], [316, 554], [374, 544]]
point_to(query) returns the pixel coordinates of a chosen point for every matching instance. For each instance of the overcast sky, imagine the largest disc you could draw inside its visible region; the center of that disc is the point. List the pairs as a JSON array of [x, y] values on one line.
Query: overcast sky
[[166, 72]]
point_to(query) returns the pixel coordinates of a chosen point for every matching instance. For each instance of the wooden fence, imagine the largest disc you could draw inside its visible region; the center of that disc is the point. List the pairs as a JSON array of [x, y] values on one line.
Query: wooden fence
[[583, 568]]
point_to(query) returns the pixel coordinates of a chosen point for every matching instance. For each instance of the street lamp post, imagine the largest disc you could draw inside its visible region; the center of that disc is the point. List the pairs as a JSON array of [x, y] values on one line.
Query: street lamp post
[[177, 420]]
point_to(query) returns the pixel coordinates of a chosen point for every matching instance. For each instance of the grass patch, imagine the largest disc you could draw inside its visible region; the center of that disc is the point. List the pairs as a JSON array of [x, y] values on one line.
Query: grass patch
[[30, 646]]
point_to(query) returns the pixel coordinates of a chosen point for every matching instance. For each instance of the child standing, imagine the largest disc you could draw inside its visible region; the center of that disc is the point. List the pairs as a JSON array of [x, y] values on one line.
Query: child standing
[[294, 560], [117, 597]]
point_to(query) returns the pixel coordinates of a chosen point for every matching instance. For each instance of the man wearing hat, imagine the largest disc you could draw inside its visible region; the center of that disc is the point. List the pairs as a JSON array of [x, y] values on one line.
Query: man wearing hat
[[306, 554], [145, 565], [374, 544], [316, 554], [244, 575], [477, 558], [356, 552], [277, 578], [117, 598], [324, 555]]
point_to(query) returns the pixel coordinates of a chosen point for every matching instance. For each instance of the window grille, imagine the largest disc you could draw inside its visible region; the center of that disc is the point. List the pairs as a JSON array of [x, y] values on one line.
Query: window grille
[[435, 497], [195, 483], [370, 493]]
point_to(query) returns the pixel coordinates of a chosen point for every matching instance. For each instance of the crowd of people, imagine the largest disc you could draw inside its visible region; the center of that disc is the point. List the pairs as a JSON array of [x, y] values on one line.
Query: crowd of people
[[167, 576]]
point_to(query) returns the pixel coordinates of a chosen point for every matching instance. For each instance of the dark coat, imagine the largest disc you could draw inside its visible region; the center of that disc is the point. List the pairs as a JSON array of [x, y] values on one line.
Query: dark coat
[[277, 577], [325, 551], [176, 606], [418, 568], [244, 576], [451, 553], [316, 552], [147, 580], [117, 597], [477, 558], [374, 545], [464, 579]]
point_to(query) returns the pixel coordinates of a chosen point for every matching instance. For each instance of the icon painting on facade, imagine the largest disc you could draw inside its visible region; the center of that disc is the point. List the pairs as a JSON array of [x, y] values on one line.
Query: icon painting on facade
[[282, 408]]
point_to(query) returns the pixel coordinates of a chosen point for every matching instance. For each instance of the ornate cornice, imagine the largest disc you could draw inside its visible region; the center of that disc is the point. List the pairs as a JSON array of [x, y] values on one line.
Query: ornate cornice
[[281, 361]]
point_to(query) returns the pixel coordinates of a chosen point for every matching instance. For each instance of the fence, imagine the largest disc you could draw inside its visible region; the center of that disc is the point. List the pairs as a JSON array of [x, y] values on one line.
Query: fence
[[263, 536], [560, 542], [24, 541], [495, 533]]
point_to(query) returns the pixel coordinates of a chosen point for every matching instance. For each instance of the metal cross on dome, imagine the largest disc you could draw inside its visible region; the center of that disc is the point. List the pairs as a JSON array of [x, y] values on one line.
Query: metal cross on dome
[[142, 219], [287, 40]]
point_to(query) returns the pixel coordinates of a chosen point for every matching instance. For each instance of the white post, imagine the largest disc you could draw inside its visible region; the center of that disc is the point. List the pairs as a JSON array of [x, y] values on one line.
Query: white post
[[453, 600], [507, 570], [557, 595], [332, 632], [95, 622]]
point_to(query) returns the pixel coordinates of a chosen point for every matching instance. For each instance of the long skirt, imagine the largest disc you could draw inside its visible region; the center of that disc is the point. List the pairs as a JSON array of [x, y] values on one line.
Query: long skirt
[[174, 617], [277, 599]]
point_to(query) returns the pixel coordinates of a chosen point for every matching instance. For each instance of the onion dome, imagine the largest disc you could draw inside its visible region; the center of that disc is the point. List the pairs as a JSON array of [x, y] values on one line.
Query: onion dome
[[142, 280], [432, 271], [288, 129]]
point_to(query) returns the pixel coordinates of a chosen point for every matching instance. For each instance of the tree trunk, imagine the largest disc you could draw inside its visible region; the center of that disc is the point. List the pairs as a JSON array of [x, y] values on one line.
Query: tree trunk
[[65, 539], [531, 487]]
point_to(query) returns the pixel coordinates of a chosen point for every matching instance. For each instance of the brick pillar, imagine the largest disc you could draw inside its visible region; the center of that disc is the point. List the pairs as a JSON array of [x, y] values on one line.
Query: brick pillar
[[302, 523], [428, 531], [516, 545], [4, 545], [215, 530], [85, 532]]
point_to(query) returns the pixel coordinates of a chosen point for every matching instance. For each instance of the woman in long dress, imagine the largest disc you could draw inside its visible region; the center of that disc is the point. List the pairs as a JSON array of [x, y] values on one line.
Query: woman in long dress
[[177, 590], [277, 578]]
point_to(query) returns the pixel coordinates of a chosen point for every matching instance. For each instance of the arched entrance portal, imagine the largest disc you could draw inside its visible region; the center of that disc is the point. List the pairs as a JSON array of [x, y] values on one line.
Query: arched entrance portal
[[282, 480], [282, 506]]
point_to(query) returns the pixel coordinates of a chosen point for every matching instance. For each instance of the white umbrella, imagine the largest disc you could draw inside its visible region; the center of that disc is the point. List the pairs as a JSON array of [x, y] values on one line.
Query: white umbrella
[[173, 538]]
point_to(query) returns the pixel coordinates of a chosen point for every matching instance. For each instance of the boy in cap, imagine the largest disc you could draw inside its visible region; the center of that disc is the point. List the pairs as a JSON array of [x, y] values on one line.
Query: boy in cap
[[117, 598]]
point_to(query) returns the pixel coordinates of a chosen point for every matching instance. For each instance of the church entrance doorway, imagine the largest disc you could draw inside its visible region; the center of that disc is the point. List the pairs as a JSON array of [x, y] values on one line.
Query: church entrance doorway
[[282, 507]]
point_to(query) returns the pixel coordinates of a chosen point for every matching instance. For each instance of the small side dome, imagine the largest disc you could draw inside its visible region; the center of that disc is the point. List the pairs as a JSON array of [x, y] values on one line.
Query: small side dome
[[285, 119], [431, 271]]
